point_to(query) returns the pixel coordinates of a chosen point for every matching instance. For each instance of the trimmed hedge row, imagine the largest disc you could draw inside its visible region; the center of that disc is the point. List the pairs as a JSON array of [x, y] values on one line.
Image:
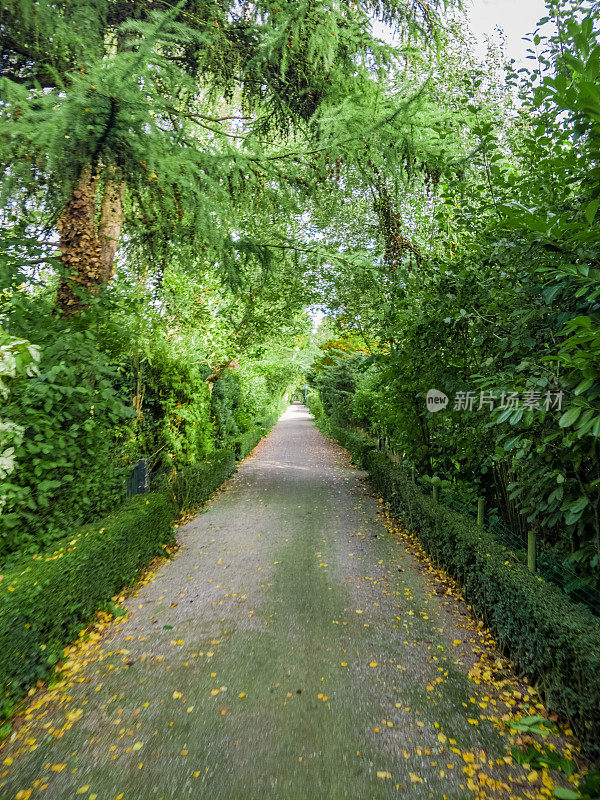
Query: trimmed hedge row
[[194, 484], [552, 640], [44, 601], [245, 443], [267, 422]]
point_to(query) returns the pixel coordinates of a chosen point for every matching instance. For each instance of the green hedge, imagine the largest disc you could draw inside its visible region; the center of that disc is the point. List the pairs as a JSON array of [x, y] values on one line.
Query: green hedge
[[194, 483], [315, 406], [245, 443], [45, 600], [553, 641], [266, 423]]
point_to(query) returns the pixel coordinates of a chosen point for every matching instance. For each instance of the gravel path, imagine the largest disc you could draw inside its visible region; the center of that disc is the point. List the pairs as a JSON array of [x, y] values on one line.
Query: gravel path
[[292, 649]]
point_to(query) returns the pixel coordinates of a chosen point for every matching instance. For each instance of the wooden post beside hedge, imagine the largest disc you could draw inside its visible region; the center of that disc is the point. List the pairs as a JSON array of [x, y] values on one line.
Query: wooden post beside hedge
[[480, 511]]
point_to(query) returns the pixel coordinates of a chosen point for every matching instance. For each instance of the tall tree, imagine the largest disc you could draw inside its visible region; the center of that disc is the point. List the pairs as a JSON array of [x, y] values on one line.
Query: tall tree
[[103, 103]]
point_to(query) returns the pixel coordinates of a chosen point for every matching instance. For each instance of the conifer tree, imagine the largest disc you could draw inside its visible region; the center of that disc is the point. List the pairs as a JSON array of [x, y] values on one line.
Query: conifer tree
[[157, 121]]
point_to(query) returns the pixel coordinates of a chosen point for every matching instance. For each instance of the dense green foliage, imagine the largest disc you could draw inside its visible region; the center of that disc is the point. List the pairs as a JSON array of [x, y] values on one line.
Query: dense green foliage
[[182, 185], [194, 483], [486, 284], [45, 600], [555, 643], [56, 484]]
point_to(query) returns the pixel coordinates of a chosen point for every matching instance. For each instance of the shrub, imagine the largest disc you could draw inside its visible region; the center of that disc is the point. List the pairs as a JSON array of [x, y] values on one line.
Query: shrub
[[266, 423], [44, 601], [193, 484], [356, 443], [315, 406], [65, 458], [555, 642], [245, 443]]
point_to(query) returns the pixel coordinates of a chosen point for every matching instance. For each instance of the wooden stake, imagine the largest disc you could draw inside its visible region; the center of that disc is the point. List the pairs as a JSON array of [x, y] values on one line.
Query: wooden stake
[[480, 510], [531, 549]]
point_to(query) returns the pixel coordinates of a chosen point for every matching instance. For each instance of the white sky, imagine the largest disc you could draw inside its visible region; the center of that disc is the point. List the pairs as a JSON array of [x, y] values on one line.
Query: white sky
[[516, 17]]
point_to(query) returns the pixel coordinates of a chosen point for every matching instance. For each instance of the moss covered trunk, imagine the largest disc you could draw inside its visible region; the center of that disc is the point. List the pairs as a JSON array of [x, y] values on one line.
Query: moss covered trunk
[[89, 230]]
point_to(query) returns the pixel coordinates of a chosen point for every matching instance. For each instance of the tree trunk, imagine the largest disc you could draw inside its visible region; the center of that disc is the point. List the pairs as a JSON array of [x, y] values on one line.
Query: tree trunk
[[88, 244]]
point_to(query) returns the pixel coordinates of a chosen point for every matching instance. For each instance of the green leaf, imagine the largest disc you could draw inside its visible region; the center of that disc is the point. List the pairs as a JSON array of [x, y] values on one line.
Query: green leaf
[[591, 209], [584, 386], [566, 794], [570, 416]]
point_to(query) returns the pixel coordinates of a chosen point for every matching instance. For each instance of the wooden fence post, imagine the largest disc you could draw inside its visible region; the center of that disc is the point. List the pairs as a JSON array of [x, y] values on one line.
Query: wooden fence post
[[531, 536], [480, 510]]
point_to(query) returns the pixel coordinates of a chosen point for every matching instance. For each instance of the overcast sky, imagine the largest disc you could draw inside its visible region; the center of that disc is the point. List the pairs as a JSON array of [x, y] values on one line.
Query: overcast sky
[[515, 17]]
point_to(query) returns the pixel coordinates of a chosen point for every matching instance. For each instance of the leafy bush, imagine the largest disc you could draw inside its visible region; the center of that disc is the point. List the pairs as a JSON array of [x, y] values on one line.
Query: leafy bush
[[315, 406], [65, 454], [174, 428], [552, 640], [44, 602], [225, 400], [266, 423], [193, 484], [245, 443], [356, 443]]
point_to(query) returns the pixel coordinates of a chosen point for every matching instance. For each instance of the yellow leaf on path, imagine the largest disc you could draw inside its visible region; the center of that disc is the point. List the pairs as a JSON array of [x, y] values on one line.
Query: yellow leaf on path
[[57, 767], [138, 746], [191, 708], [72, 716], [373, 664], [82, 790], [532, 777], [242, 694], [414, 778], [456, 642], [358, 611], [382, 774], [442, 738], [8, 761], [176, 695], [24, 794], [196, 774]]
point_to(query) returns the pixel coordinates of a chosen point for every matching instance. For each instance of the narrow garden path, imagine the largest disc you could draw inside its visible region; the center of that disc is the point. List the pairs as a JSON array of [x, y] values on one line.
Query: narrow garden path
[[294, 648]]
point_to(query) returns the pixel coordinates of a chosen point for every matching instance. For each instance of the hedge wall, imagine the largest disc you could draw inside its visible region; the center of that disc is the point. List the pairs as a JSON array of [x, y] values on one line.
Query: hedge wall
[[194, 484], [552, 640], [44, 601], [246, 442]]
